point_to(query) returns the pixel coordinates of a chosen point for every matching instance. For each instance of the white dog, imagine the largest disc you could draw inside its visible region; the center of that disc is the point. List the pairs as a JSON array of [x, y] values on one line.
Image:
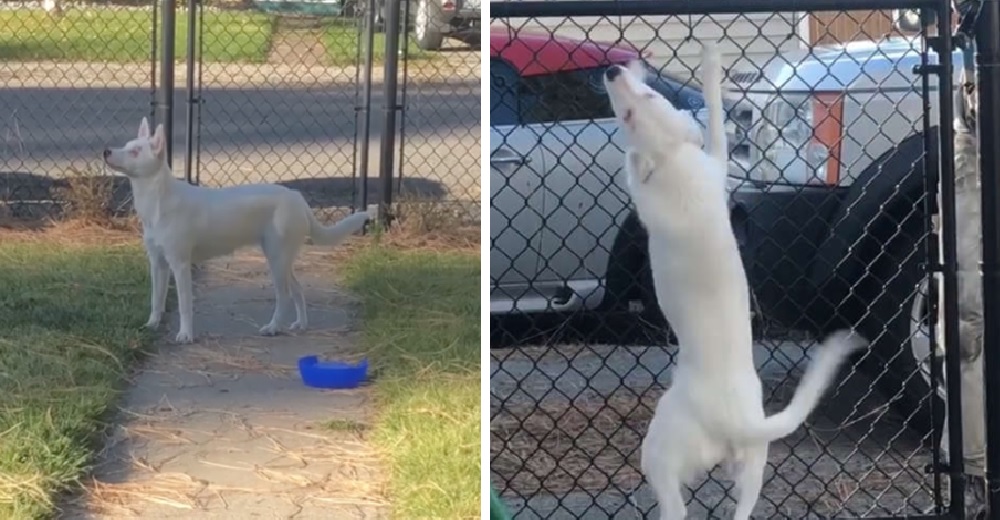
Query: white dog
[[713, 411], [184, 224]]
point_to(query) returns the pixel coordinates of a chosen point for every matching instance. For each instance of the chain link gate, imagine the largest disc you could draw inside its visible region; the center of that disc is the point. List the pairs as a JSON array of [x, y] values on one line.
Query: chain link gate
[[834, 158], [287, 112]]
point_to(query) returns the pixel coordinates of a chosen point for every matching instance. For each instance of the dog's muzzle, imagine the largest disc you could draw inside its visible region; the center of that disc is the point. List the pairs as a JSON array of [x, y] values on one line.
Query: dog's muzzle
[[613, 72]]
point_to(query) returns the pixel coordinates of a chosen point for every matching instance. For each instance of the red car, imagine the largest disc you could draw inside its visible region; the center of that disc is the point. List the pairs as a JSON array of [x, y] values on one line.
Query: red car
[[536, 54]]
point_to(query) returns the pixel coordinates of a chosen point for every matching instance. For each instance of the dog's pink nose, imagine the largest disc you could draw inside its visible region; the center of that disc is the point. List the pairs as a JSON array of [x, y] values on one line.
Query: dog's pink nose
[[107, 153]]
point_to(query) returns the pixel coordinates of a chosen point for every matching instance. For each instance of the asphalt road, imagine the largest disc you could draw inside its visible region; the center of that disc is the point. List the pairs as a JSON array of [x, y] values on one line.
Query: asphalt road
[[272, 127], [566, 422]]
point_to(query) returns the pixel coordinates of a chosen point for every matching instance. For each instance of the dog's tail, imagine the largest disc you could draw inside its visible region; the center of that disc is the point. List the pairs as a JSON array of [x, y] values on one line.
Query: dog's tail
[[335, 234], [821, 372], [711, 82]]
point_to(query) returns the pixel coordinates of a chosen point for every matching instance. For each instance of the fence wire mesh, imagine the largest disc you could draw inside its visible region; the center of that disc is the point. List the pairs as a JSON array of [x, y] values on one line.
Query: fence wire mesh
[[73, 74], [830, 199], [276, 95], [441, 98], [283, 108]]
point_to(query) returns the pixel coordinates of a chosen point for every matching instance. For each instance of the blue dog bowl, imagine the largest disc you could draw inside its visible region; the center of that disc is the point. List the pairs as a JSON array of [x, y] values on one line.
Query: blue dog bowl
[[331, 374]]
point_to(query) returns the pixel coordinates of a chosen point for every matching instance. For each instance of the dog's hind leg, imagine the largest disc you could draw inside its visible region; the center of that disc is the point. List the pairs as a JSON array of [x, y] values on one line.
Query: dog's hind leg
[[668, 494], [749, 479], [280, 264], [299, 298]]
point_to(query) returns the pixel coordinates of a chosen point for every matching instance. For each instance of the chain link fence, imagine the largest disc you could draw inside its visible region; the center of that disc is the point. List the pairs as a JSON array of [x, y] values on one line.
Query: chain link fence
[[74, 75], [274, 91], [441, 99], [833, 168], [286, 112]]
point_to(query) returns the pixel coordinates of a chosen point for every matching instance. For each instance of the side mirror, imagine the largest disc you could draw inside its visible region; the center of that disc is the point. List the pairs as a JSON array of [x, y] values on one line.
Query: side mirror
[[908, 20]]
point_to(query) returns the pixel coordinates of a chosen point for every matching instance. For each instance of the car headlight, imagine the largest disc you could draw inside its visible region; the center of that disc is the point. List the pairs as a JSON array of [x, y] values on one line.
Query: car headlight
[[797, 140]]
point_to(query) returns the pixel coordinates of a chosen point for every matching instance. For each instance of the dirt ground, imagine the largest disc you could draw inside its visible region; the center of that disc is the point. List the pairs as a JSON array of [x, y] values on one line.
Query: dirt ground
[[567, 421]]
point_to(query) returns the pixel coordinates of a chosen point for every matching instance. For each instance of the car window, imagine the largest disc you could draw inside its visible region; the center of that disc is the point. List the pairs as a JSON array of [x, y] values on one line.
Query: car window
[[580, 95], [504, 88], [683, 94], [668, 89], [567, 96]]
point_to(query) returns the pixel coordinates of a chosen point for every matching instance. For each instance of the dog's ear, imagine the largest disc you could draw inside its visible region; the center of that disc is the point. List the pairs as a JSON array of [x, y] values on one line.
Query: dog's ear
[[158, 143], [143, 129], [637, 69]]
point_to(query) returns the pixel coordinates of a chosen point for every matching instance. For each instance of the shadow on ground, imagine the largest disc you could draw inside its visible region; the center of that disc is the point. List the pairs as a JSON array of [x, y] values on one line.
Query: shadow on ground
[[332, 192], [26, 195]]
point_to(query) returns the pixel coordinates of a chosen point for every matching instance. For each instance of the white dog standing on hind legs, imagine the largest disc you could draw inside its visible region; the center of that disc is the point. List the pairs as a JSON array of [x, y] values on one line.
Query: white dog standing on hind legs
[[184, 224], [713, 411]]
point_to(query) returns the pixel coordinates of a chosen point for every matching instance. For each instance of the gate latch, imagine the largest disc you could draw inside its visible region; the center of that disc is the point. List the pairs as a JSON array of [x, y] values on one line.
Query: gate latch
[[933, 43], [927, 69]]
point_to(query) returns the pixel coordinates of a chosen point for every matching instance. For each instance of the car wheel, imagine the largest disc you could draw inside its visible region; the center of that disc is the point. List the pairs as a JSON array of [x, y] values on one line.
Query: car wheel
[[427, 26], [898, 325], [629, 281]]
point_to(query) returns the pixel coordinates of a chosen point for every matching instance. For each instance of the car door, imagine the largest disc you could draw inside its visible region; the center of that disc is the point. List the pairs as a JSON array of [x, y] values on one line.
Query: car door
[[585, 197], [516, 198]]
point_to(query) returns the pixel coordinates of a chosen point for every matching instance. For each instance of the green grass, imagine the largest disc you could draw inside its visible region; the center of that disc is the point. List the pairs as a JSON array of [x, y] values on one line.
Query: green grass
[[101, 35], [70, 329], [342, 42], [421, 331]]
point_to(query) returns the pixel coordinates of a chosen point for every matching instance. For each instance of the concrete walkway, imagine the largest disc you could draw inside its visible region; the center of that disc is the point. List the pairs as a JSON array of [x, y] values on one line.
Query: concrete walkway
[[225, 429]]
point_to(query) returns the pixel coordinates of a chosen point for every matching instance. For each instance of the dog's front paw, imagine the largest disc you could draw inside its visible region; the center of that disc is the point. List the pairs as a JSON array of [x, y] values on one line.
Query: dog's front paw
[[269, 330], [184, 337], [298, 326], [153, 322]]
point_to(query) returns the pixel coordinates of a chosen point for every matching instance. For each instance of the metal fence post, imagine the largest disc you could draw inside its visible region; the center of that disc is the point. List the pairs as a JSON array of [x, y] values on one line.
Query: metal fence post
[[988, 84], [364, 130], [153, 33], [192, 98], [949, 269], [389, 107], [165, 94]]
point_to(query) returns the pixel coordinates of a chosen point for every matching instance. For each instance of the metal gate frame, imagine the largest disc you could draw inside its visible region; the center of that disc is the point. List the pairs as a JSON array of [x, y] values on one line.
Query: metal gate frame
[[395, 39], [942, 44]]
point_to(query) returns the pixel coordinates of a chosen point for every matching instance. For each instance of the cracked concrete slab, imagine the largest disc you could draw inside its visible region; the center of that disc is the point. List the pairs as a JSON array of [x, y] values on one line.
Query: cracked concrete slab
[[224, 428]]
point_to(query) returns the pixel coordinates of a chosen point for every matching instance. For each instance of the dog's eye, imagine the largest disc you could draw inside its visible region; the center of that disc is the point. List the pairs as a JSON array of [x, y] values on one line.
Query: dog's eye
[[134, 152], [650, 95]]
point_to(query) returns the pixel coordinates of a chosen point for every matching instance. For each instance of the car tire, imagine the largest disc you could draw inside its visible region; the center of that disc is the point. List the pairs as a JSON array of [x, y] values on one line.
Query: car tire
[[629, 279], [427, 26], [896, 324]]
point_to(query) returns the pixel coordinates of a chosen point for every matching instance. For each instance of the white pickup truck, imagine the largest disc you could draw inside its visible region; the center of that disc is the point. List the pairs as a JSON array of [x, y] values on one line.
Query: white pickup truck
[[829, 146]]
